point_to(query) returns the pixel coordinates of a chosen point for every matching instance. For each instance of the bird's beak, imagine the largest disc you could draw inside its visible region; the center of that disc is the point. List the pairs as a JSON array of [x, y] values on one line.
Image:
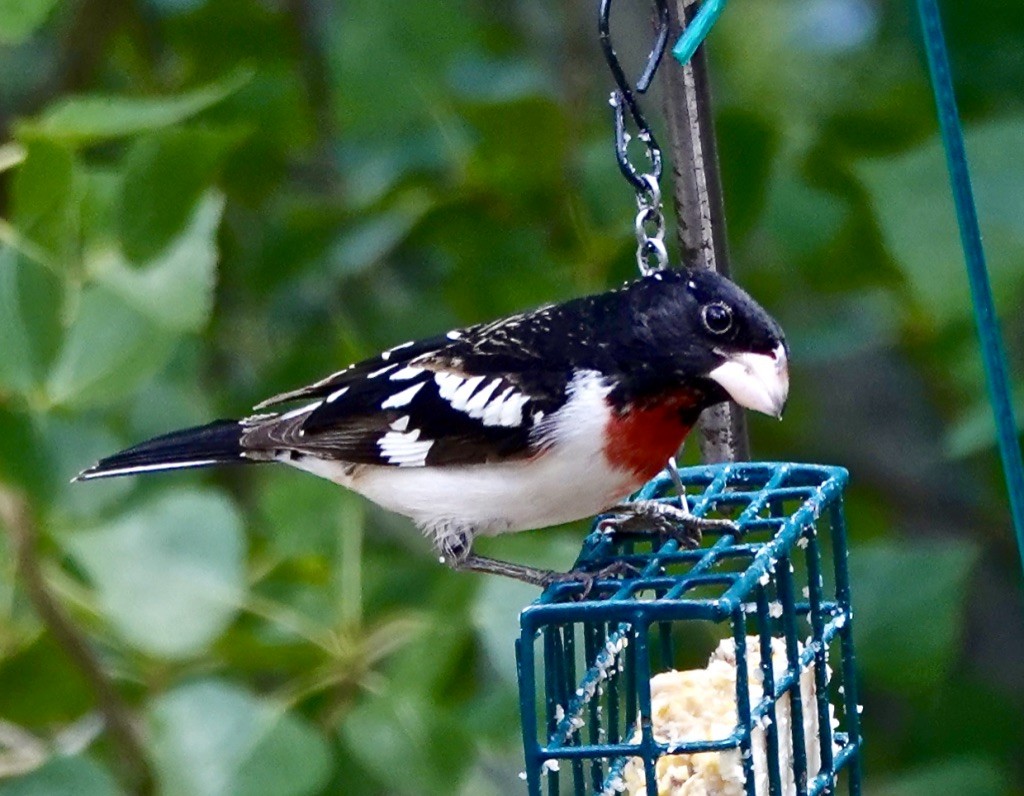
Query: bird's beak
[[756, 381]]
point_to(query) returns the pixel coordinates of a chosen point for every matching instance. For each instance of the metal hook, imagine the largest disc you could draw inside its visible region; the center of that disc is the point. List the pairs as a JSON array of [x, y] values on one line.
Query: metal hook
[[653, 59], [623, 99]]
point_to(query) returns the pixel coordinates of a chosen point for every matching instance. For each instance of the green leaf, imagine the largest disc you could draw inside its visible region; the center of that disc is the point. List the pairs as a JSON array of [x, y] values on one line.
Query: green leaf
[[71, 445], [109, 350], [416, 50], [45, 201], [362, 247], [976, 776], [78, 775], [800, 216], [911, 196], [213, 739], [92, 118], [23, 460], [169, 573], [408, 741], [747, 175], [302, 515], [178, 391], [165, 174], [41, 686], [19, 19], [175, 289], [975, 429], [30, 331], [526, 162], [100, 208], [907, 637]]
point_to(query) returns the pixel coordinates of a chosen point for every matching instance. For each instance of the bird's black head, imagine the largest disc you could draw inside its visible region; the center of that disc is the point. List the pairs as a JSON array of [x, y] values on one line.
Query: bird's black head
[[712, 335]]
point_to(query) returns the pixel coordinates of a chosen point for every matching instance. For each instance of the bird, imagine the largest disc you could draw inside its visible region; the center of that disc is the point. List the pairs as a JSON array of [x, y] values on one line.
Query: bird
[[533, 420]]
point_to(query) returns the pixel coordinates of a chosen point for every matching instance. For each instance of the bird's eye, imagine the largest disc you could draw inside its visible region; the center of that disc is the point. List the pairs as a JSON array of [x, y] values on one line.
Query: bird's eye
[[717, 317]]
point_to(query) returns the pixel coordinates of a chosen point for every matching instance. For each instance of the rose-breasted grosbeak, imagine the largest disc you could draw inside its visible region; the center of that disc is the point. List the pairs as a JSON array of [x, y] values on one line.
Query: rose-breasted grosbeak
[[526, 422]]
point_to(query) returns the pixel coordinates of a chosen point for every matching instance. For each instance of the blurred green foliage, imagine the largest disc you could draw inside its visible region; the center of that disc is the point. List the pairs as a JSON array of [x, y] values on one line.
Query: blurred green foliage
[[207, 201]]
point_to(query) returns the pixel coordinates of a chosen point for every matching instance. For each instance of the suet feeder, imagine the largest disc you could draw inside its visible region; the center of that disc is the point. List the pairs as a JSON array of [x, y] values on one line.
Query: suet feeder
[[604, 709]]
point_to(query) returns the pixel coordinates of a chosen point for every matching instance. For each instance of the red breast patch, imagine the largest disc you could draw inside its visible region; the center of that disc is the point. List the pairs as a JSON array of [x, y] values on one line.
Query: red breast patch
[[641, 437]]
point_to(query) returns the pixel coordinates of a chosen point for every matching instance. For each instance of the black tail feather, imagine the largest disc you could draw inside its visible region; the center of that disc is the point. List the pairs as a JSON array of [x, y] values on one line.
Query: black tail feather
[[218, 442]]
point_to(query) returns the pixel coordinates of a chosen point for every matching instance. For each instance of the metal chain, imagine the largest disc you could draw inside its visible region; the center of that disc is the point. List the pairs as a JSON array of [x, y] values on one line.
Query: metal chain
[[649, 224]]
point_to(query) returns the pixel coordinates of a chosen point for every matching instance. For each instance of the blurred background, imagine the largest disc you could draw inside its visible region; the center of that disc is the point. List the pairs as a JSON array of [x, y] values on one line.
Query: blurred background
[[207, 201]]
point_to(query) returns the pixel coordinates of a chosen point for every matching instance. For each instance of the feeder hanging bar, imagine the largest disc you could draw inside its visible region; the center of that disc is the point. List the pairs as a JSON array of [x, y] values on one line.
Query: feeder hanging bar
[[701, 228], [974, 258]]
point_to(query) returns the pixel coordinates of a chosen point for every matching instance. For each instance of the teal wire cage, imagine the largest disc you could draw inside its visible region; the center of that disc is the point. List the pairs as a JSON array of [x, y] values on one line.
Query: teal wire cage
[[597, 718]]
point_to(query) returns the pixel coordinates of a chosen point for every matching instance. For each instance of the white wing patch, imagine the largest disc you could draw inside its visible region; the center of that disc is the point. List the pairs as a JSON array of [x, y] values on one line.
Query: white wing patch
[[383, 370], [402, 398], [405, 449], [505, 409], [460, 398], [477, 403], [447, 384], [408, 372], [386, 355], [334, 396]]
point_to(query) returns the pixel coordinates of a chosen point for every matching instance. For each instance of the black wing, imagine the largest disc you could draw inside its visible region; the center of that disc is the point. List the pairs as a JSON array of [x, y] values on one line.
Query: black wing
[[430, 409], [359, 371]]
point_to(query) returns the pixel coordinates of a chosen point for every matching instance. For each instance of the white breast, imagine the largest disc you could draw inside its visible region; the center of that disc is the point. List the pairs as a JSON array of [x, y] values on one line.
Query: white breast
[[569, 481]]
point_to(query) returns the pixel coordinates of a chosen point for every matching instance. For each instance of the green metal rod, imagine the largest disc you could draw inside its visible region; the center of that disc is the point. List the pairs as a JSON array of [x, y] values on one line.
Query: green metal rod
[[974, 257], [697, 30]]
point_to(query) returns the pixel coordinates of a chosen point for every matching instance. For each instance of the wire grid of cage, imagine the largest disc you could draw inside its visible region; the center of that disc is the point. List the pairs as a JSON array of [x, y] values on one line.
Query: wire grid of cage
[[586, 663]]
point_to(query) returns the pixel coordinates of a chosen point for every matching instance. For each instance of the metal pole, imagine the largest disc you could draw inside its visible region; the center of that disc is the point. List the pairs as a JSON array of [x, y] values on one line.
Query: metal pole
[[992, 354], [700, 212]]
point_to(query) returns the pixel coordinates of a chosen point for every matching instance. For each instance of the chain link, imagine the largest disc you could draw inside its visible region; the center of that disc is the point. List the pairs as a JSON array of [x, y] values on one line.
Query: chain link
[[649, 225], [651, 255]]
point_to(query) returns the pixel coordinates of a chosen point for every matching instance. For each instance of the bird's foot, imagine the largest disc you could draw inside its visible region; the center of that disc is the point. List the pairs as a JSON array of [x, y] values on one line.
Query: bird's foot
[[663, 520], [617, 569], [459, 555]]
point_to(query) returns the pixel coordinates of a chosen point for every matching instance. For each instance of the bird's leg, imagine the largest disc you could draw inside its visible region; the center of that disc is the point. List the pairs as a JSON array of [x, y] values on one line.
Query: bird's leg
[[700, 523], [466, 560], [458, 554], [664, 520]]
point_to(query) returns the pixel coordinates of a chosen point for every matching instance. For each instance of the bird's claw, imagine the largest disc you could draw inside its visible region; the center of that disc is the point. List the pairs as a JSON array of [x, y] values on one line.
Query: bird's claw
[[617, 569], [664, 520]]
